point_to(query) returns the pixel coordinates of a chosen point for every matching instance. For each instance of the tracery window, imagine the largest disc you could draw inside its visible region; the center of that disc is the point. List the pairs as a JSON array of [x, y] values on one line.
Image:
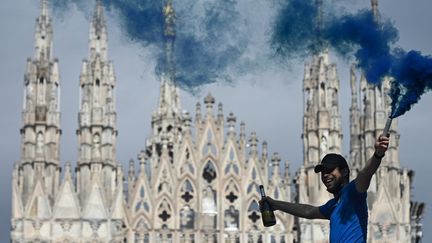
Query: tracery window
[[187, 191], [231, 165], [209, 172], [141, 203], [209, 147], [231, 213], [164, 212], [209, 196], [253, 186], [253, 212]]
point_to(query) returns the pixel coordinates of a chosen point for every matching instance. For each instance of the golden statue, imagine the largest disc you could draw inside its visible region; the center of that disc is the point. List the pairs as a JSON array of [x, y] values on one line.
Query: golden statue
[[169, 14]]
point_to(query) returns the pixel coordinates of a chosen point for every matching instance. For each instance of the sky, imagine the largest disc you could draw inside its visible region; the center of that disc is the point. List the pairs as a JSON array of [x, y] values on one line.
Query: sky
[[267, 98]]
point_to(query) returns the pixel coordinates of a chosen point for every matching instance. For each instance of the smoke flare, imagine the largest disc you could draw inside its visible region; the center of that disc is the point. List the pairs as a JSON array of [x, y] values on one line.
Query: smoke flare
[[369, 38]]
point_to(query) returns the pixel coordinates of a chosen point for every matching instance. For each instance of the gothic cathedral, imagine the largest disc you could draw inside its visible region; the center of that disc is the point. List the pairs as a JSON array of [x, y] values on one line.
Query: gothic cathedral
[[196, 180]]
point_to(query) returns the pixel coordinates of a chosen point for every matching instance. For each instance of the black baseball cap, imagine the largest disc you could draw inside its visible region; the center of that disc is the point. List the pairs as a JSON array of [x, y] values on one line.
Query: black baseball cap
[[331, 161]]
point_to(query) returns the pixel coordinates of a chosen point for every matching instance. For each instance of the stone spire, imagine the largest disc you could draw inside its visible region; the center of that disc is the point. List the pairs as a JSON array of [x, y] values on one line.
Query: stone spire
[[43, 34], [167, 120], [41, 115], [356, 157], [97, 132], [169, 94], [44, 7], [98, 33]]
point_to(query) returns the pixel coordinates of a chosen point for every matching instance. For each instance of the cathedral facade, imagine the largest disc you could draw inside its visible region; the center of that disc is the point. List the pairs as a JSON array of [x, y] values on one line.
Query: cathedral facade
[[196, 179]]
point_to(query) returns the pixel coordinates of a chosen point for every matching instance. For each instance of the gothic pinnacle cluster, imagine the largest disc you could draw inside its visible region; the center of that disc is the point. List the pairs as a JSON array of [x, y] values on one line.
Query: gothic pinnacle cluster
[[191, 185], [389, 193]]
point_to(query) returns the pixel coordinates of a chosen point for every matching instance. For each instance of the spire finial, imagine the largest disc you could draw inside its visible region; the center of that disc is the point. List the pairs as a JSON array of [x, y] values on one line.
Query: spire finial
[[44, 7], [374, 4], [98, 18], [169, 35], [169, 15]]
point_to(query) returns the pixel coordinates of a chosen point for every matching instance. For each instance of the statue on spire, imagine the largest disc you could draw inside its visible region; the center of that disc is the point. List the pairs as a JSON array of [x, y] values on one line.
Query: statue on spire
[[44, 8], [169, 15], [169, 37]]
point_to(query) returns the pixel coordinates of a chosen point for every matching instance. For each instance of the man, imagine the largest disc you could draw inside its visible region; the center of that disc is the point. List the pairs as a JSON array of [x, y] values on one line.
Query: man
[[347, 211]]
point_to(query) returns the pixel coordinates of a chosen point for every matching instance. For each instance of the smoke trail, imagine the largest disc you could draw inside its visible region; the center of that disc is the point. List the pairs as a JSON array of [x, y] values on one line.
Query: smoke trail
[[209, 34], [370, 40], [208, 42], [294, 32], [412, 72]]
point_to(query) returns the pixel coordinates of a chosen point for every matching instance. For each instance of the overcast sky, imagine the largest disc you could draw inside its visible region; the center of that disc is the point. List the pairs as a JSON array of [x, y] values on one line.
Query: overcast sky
[[268, 101]]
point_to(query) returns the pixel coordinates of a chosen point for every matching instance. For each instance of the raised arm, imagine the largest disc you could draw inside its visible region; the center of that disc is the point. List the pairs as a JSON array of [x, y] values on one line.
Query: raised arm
[[364, 177], [296, 209]]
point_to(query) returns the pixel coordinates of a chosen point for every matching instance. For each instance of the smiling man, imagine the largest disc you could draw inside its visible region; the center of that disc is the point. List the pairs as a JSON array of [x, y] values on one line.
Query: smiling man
[[347, 211]]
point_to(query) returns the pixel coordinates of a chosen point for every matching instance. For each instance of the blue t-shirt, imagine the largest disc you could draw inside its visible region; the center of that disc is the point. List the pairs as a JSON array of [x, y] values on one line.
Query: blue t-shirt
[[348, 215]]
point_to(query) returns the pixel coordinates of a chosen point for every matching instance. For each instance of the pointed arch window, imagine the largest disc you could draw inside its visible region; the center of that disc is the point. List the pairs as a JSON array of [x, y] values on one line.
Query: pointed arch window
[[231, 218], [97, 82], [253, 186], [232, 206], [141, 202], [232, 166], [142, 205], [164, 211], [231, 192], [209, 147], [253, 212], [209, 172], [187, 192], [187, 167]]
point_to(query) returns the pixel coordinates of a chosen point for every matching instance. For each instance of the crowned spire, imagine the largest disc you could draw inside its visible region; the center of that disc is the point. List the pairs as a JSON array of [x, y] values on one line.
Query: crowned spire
[[98, 33], [374, 4], [169, 95], [44, 7], [169, 37]]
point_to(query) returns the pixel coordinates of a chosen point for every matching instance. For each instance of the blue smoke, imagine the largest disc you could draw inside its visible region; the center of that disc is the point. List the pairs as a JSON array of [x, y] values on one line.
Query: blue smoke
[[371, 42], [209, 34], [368, 40], [412, 72], [294, 34]]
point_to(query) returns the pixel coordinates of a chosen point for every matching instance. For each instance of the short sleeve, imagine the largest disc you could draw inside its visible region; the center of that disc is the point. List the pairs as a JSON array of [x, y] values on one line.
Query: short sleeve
[[356, 195], [327, 208]]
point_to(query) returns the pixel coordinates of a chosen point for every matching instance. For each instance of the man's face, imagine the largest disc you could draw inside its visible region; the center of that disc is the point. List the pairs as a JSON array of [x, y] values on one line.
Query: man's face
[[332, 179]]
